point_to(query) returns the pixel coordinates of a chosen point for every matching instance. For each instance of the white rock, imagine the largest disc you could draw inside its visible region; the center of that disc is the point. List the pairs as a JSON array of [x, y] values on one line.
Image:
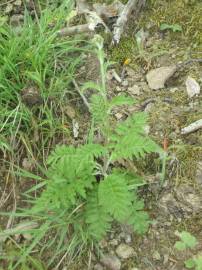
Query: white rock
[[156, 78], [124, 251], [111, 262], [134, 90], [193, 88], [118, 116]]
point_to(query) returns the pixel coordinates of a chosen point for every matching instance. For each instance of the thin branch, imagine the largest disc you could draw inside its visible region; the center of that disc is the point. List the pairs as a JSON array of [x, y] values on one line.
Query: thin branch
[[77, 29], [81, 94], [192, 127]]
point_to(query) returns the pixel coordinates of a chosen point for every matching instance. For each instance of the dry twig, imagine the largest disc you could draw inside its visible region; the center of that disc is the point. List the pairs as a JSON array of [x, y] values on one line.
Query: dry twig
[[124, 16]]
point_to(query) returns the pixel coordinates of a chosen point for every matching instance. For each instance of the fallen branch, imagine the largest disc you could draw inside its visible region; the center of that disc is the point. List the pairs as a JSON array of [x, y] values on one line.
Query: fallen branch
[[192, 127], [77, 29], [124, 16]]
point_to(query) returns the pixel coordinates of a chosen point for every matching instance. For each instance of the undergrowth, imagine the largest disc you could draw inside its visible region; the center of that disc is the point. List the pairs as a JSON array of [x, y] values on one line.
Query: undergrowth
[[36, 72]]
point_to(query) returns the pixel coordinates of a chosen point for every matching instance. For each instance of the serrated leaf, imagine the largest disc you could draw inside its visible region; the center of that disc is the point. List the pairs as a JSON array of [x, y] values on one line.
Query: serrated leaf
[[91, 85], [129, 139], [114, 195], [96, 216], [138, 219], [121, 100], [173, 27]]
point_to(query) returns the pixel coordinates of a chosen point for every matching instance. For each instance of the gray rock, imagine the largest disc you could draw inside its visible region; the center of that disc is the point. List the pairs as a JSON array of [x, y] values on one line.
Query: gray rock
[[193, 88], [112, 262], [157, 78], [124, 251], [134, 90]]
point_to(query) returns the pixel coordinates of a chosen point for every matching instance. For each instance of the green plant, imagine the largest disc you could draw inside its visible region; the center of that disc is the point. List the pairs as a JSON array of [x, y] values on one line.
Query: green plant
[[188, 241], [35, 58], [173, 27], [86, 190]]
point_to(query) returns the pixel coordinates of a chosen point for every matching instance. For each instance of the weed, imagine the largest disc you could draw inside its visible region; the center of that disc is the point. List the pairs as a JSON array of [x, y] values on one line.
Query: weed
[[36, 72], [188, 241], [84, 191]]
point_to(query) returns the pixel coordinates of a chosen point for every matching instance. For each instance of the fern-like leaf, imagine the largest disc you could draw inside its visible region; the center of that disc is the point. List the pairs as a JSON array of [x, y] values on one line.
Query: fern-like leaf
[[114, 196], [71, 175], [120, 100], [138, 218], [96, 216], [130, 140], [99, 109]]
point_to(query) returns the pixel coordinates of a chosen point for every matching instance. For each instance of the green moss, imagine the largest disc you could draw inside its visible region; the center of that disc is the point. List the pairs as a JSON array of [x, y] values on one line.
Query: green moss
[[127, 48]]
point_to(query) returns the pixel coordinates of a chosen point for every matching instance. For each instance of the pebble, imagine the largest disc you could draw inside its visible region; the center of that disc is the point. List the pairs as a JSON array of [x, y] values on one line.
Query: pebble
[[112, 262], [134, 90], [124, 83], [118, 116], [124, 251]]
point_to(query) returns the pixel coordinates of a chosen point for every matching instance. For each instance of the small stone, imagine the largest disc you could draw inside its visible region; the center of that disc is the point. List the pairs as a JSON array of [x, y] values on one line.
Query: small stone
[[118, 89], [193, 88], [98, 267], [128, 239], [156, 256], [124, 251], [114, 242], [112, 262], [118, 116], [124, 83], [157, 78], [134, 90]]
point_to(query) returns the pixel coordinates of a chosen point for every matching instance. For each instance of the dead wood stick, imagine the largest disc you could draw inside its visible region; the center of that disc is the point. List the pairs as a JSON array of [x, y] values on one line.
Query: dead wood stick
[[77, 29], [192, 127], [124, 16], [81, 94]]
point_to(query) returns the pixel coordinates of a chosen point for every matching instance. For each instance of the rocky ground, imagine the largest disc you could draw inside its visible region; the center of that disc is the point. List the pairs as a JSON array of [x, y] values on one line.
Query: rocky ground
[[167, 87]]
